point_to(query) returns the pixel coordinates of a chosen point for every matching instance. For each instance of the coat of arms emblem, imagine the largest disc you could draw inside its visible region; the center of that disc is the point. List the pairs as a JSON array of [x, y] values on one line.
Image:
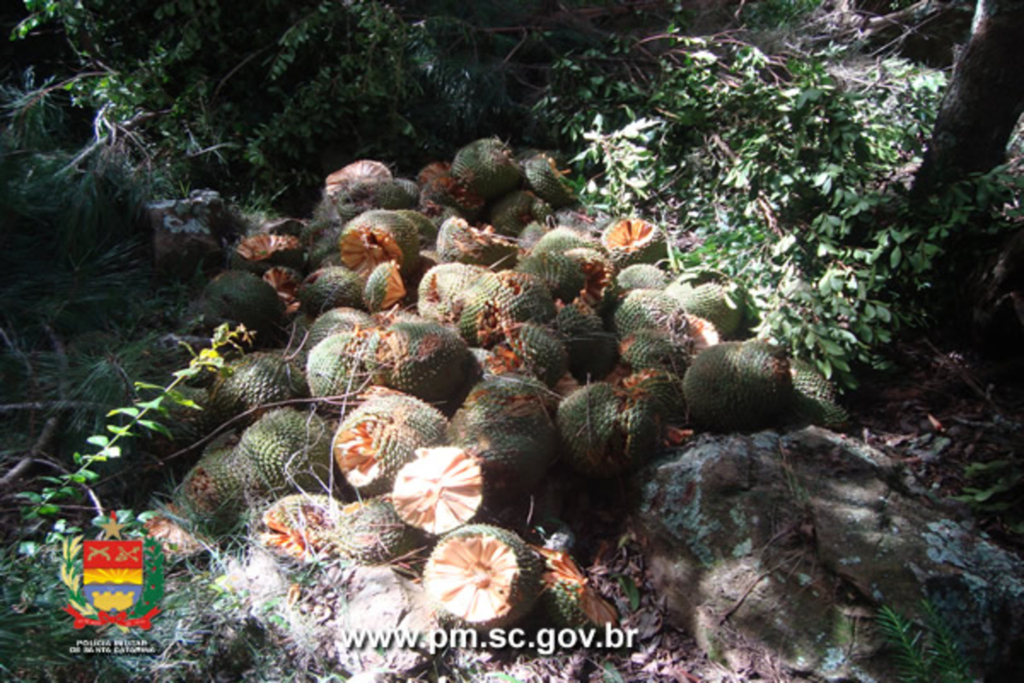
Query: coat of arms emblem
[[111, 580]]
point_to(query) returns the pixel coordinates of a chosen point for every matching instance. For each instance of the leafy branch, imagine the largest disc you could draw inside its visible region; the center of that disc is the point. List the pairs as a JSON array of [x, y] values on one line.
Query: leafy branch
[[64, 487]]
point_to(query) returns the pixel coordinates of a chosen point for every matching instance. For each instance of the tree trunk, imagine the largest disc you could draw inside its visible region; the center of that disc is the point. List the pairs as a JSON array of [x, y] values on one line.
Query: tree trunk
[[984, 100]]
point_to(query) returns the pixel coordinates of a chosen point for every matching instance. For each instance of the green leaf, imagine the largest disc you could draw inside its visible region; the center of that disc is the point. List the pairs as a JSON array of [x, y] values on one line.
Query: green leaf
[[132, 412], [631, 591], [895, 257], [98, 440]]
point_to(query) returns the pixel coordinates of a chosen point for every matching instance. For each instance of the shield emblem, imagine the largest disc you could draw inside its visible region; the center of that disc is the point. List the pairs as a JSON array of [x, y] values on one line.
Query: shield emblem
[[112, 577]]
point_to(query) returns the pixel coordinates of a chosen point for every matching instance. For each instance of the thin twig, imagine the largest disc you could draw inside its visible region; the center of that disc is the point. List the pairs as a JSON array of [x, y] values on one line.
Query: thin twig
[[42, 444]]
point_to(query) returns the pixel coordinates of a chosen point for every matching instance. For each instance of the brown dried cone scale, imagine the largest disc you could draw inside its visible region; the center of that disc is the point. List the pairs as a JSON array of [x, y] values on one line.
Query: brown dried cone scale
[[531, 350], [440, 490], [483, 576], [633, 240], [302, 526], [307, 526], [460, 242], [511, 213], [285, 282], [378, 236], [216, 488], [443, 289], [380, 436], [504, 421], [606, 430], [499, 300], [568, 598], [261, 252], [384, 288]]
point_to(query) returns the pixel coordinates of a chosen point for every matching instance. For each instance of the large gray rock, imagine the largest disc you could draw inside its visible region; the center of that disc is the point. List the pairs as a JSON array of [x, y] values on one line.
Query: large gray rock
[[189, 234], [776, 551]]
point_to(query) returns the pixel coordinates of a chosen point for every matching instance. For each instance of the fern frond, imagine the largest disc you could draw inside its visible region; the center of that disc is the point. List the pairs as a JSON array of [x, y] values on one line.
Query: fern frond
[[908, 650], [947, 660]]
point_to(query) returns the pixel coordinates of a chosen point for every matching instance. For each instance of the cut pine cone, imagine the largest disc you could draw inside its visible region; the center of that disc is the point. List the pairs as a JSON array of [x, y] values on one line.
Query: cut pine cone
[[376, 237], [568, 598], [633, 240], [439, 491], [483, 576]]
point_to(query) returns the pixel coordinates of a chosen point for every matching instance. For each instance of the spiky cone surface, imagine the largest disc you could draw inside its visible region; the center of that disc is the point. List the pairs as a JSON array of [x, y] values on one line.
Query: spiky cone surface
[[606, 430], [255, 380], [260, 252], [446, 192], [427, 228], [504, 421], [650, 309], [599, 290], [460, 242], [331, 287], [487, 168], [738, 386], [303, 526], [424, 359], [483, 576], [530, 349], [238, 296], [498, 300], [341, 319], [384, 288], [375, 440], [654, 349], [343, 363], [371, 532], [547, 181], [563, 239], [712, 296], [563, 275], [285, 282], [568, 599], [440, 490], [815, 396], [633, 240], [288, 450], [360, 171], [530, 235], [443, 288], [641, 276], [378, 236], [215, 490], [578, 220], [592, 350], [517, 209]]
